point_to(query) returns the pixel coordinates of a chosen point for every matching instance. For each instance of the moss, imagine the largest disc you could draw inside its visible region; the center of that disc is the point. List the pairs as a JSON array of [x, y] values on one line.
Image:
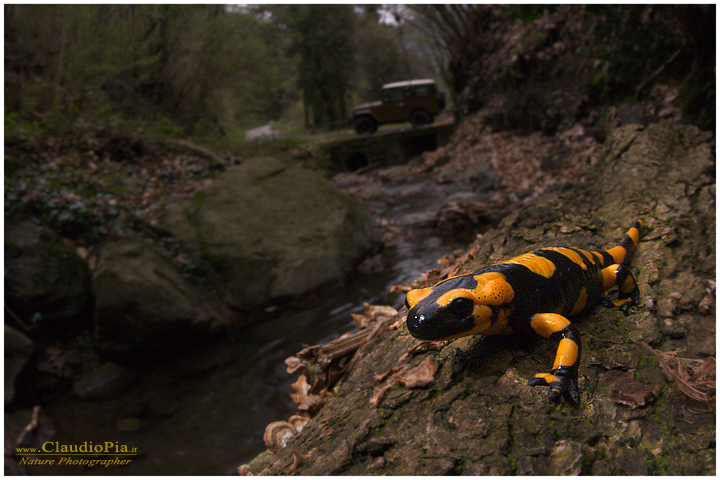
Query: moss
[[198, 199], [262, 461]]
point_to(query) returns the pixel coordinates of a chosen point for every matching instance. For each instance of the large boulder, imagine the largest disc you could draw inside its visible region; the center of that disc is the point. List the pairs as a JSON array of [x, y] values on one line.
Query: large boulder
[[47, 285], [144, 306], [267, 229]]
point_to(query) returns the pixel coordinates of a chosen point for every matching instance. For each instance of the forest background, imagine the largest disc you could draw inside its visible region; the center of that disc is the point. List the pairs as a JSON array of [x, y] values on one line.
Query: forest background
[[211, 71], [131, 83], [208, 70]]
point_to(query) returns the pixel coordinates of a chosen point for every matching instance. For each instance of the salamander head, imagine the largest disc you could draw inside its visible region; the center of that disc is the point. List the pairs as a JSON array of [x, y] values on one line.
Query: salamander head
[[450, 310]]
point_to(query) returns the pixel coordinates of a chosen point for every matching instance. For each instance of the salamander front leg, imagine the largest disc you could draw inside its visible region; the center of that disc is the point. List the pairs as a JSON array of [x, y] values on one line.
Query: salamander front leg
[[563, 378]]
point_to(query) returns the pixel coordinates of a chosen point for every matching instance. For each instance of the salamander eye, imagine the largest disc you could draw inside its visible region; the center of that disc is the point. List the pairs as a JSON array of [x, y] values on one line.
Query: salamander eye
[[461, 307]]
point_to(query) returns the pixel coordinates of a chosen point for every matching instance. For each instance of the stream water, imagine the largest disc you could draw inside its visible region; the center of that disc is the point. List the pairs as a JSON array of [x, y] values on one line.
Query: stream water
[[205, 413]]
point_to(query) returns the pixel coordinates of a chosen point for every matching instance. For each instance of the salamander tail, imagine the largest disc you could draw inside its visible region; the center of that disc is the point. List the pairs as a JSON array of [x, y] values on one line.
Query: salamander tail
[[623, 252]]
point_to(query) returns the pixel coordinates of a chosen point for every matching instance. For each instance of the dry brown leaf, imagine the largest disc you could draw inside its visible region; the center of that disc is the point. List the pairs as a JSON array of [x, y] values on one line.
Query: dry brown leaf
[[420, 376], [693, 385], [400, 289], [379, 394], [313, 403], [301, 388], [631, 391]]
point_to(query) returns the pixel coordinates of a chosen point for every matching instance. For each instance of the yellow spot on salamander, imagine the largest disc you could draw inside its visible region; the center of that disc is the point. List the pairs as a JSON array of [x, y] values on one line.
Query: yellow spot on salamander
[[581, 302], [620, 302], [493, 289], [628, 285], [567, 353], [571, 254], [634, 234], [448, 297], [618, 253], [549, 378], [545, 324], [599, 257], [609, 274], [540, 265], [589, 256], [414, 296]]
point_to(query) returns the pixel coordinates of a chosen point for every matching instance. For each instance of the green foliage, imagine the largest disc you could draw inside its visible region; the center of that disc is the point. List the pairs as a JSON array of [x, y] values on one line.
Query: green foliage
[[210, 69], [549, 66], [68, 201], [636, 41], [530, 12], [18, 130], [200, 65], [380, 59], [322, 41]]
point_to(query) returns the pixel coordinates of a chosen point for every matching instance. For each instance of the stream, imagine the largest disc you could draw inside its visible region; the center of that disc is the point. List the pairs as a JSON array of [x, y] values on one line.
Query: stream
[[205, 413]]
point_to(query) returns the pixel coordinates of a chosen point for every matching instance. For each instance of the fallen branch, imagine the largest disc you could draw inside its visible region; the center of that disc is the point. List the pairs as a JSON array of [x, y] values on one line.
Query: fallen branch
[[657, 72], [19, 323], [184, 144], [30, 427], [674, 369]]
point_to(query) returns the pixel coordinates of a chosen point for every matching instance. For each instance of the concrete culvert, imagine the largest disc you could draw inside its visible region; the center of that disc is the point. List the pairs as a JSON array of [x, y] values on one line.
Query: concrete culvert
[[356, 161]]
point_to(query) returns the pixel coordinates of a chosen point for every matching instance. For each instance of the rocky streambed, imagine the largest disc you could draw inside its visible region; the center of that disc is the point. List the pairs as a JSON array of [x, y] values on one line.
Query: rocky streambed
[[179, 359]]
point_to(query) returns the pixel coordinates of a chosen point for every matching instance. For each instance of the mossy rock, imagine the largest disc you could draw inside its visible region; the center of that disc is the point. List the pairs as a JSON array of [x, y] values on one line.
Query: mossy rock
[[268, 229], [47, 285], [144, 307]]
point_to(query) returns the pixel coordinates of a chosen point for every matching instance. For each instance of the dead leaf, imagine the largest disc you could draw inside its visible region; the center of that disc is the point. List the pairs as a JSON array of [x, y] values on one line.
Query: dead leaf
[[697, 384], [301, 388], [420, 376], [379, 394], [294, 364], [313, 403]]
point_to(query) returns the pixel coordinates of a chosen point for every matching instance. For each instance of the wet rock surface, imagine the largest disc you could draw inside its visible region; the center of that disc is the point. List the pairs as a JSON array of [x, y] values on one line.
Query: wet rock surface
[[105, 382], [480, 416], [144, 307]]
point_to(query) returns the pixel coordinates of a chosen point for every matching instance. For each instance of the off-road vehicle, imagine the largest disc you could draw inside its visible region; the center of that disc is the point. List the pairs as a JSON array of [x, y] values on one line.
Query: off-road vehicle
[[415, 100]]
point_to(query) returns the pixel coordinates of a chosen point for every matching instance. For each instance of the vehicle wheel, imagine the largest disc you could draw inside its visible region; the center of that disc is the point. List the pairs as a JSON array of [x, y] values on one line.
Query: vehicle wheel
[[420, 118], [365, 125]]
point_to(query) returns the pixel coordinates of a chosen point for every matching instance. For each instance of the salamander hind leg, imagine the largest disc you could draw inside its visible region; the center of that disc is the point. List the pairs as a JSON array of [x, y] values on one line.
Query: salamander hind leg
[[628, 291], [563, 378]]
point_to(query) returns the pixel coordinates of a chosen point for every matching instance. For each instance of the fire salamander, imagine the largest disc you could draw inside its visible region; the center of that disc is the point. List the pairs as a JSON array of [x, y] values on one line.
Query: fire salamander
[[537, 290]]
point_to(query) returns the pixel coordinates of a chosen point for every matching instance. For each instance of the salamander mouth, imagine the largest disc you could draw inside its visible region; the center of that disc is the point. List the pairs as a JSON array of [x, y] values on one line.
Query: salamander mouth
[[431, 328]]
